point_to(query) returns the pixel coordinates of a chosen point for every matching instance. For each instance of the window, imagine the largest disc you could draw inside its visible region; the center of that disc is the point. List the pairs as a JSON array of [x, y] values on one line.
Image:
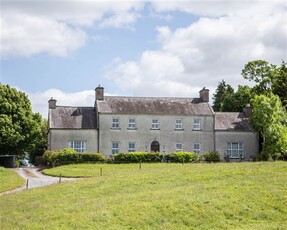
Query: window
[[115, 147], [235, 150], [196, 124], [178, 147], [79, 146], [132, 147], [132, 123], [115, 123], [196, 148], [154, 124], [178, 124]]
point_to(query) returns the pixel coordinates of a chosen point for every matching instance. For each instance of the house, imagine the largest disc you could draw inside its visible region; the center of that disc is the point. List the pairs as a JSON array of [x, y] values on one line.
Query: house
[[119, 124]]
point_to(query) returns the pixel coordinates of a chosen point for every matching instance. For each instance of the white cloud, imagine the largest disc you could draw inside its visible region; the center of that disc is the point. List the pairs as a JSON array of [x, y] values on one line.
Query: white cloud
[[39, 101], [58, 27], [215, 47]]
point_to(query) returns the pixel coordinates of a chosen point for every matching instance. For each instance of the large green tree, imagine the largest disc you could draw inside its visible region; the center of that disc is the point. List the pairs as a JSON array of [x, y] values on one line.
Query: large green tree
[[235, 102], [269, 119], [19, 126], [268, 78], [223, 90]]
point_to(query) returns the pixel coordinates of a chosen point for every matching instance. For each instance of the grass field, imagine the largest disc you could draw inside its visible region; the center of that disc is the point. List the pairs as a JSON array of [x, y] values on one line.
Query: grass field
[[9, 180], [158, 196]]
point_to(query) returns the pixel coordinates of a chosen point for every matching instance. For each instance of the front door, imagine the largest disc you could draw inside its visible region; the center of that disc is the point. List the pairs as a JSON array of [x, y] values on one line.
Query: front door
[[154, 147]]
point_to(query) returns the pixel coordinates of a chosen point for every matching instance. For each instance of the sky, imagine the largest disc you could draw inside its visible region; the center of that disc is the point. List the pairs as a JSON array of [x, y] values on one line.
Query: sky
[[64, 49]]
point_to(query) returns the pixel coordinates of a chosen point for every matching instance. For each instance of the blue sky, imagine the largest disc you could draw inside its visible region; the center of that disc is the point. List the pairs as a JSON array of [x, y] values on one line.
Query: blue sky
[[65, 49]]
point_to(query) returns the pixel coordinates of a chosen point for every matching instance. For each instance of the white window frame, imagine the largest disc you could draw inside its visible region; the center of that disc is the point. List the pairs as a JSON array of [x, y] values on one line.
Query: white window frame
[[235, 149], [197, 150], [115, 149], [196, 124], [115, 123], [154, 123], [131, 123], [78, 146], [179, 124], [131, 148], [178, 147]]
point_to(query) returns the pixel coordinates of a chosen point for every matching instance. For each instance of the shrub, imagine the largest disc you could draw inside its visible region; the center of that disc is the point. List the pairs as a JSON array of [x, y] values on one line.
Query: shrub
[[211, 156], [181, 157], [134, 157], [70, 156]]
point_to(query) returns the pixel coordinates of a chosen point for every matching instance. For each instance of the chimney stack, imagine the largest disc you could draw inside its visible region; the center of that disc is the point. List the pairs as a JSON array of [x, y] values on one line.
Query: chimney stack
[[204, 95], [99, 93], [52, 103], [247, 110]]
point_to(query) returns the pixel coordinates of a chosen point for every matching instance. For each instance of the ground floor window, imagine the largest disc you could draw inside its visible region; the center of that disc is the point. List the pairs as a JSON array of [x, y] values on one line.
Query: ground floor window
[[115, 147], [196, 148], [132, 147], [235, 150], [178, 147], [79, 146]]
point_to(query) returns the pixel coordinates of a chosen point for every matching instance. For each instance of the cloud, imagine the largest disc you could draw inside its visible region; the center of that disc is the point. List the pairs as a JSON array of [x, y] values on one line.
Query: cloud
[[215, 47], [39, 101], [58, 27]]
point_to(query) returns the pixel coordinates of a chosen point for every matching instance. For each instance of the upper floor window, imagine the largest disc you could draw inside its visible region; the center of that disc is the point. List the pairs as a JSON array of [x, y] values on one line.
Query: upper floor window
[[178, 147], [132, 147], [132, 123], [178, 124], [196, 148], [116, 123], [115, 147], [196, 124], [235, 150], [154, 124], [79, 146]]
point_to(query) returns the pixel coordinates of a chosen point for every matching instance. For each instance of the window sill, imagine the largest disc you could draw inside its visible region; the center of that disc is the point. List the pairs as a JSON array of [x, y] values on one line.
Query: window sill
[[131, 128], [197, 130], [178, 129], [154, 129], [116, 128]]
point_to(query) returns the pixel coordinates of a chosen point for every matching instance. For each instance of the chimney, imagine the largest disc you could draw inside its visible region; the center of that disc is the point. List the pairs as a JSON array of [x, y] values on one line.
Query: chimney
[[247, 110], [100, 93], [204, 95], [52, 103]]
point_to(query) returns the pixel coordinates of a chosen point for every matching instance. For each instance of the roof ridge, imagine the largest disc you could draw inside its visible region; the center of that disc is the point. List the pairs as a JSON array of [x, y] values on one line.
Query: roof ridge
[[162, 97]]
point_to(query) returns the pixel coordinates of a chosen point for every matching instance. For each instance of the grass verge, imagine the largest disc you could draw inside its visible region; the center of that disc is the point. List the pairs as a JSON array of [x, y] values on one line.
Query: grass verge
[[158, 196], [9, 180]]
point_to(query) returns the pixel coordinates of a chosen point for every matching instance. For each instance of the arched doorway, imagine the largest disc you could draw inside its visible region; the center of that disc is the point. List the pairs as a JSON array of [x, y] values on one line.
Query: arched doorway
[[154, 147]]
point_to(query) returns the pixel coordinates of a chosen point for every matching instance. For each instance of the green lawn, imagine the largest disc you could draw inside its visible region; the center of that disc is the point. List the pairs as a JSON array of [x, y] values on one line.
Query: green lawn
[[9, 180], [158, 196]]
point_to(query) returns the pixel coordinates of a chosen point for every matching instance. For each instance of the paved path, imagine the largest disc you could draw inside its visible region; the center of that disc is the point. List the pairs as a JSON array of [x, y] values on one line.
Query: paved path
[[35, 179]]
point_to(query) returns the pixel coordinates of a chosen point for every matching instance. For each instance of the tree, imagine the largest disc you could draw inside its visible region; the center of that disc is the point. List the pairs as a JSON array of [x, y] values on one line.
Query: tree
[[235, 102], [268, 78], [19, 126], [269, 119], [222, 91]]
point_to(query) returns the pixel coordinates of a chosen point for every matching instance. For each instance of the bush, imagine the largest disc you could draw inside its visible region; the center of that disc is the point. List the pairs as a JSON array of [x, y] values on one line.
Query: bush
[[135, 157], [211, 156], [181, 157], [70, 156]]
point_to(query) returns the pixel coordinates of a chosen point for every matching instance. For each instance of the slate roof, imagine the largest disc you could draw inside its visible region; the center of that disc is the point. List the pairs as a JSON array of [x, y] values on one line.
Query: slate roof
[[64, 117], [153, 105], [227, 121]]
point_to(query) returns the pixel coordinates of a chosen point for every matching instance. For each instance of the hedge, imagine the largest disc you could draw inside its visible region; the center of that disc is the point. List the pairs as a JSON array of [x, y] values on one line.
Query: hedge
[[135, 157], [211, 156], [70, 156]]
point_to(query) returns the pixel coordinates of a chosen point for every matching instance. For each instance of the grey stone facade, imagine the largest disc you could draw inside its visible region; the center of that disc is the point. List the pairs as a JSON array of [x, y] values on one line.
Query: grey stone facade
[[122, 124]]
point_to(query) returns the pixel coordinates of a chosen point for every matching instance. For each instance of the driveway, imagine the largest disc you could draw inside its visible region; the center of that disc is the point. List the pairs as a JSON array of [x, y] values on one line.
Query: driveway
[[35, 178]]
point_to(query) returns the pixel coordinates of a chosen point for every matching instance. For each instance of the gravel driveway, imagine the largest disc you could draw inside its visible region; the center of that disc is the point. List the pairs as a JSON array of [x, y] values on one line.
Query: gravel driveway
[[35, 179]]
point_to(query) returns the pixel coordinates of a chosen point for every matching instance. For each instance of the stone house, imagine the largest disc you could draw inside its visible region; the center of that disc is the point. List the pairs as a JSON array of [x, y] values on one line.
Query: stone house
[[119, 124]]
